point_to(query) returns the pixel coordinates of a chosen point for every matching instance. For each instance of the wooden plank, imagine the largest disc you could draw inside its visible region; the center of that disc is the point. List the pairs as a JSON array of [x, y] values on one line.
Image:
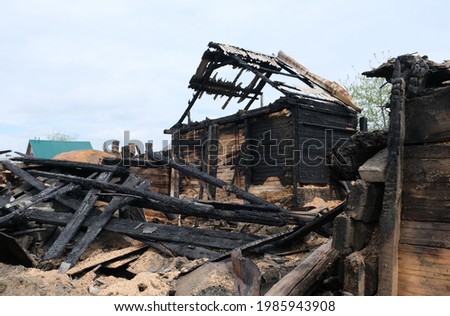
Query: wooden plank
[[421, 285], [158, 201], [433, 122], [307, 273], [423, 270], [159, 232], [432, 234], [121, 263], [427, 190], [427, 170], [423, 258], [423, 209], [189, 251], [74, 224], [105, 258], [427, 151], [390, 216]]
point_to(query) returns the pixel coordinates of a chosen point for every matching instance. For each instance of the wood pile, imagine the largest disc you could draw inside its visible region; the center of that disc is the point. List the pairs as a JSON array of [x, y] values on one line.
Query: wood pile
[[71, 203]]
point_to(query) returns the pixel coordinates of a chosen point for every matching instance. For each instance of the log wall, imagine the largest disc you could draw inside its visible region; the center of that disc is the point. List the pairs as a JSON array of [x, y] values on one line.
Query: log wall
[[424, 247], [262, 150]]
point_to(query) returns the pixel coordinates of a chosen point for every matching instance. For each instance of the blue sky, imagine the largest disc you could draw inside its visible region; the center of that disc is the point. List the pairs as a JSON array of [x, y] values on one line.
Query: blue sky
[[98, 68]]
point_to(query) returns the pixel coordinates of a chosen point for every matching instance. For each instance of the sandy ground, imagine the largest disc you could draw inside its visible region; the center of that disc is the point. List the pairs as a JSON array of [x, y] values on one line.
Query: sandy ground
[[150, 274]]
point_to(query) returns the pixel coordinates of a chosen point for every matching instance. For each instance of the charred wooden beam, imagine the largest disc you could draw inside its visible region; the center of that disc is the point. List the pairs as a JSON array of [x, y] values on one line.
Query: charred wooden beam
[[153, 231], [189, 251], [80, 215], [102, 219], [277, 240], [269, 218], [390, 217], [251, 207], [43, 196], [157, 201], [194, 172], [24, 175], [105, 258], [300, 280], [72, 164], [203, 176]]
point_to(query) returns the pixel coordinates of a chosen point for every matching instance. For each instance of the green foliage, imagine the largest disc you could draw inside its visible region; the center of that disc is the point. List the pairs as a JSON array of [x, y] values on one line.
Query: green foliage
[[61, 136], [372, 95]]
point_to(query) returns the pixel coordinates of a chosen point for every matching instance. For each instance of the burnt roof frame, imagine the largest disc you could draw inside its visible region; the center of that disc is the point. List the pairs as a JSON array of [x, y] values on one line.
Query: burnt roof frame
[[262, 66]]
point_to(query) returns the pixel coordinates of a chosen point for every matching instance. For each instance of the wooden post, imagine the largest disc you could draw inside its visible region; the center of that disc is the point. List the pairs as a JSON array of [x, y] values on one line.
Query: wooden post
[[115, 147], [296, 167], [247, 168], [212, 151], [391, 211]]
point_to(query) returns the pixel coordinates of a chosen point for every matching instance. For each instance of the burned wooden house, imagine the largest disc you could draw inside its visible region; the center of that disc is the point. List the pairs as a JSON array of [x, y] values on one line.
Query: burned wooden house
[[263, 148]]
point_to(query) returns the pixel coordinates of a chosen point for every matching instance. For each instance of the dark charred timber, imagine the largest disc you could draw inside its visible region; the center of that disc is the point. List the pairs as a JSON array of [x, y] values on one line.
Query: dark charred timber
[[72, 164], [74, 225], [275, 241], [300, 280], [157, 201], [43, 196], [390, 217], [188, 251], [314, 225], [101, 220], [24, 175], [194, 172], [153, 231], [235, 215], [250, 207]]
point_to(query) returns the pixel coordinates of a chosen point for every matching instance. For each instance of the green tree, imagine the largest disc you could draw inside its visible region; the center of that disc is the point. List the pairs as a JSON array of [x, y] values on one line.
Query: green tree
[[61, 136], [372, 95]]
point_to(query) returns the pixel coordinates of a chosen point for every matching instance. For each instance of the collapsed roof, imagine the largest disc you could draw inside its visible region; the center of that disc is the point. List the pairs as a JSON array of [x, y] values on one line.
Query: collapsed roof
[[421, 73], [263, 69]]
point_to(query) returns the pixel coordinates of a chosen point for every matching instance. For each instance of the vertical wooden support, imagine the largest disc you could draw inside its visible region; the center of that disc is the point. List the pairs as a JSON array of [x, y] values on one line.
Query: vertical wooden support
[[296, 156], [115, 147], [149, 148], [213, 149], [175, 174], [247, 168], [391, 211]]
